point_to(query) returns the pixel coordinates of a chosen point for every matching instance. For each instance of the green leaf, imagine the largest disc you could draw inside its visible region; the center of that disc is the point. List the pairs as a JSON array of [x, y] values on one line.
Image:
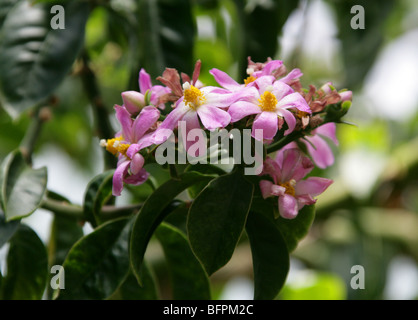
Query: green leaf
[[21, 187], [98, 263], [188, 277], [153, 213], [27, 266], [131, 290], [34, 57], [270, 256], [6, 6], [262, 23], [7, 229], [217, 218], [194, 190], [98, 192], [166, 35], [296, 229]]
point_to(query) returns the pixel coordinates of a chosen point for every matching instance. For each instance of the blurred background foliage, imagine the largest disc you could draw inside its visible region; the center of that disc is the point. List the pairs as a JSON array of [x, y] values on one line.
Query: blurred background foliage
[[368, 217]]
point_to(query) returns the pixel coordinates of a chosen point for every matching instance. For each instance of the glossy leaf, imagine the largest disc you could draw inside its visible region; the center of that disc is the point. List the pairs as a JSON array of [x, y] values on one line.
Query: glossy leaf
[[164, 41], [6, 6], [217, 218], [21, 187], [189, 279], [27, 266], [270, 256], [153, 213], [131, 290], [7, 229], [296, 229], [98, 263], [34, 57], [98, 191]]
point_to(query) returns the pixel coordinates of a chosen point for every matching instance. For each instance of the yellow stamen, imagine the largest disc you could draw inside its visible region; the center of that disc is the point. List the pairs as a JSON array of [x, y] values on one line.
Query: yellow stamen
[[193, 97], [301, 114], [289, 186], [267, 101], [114, 146], [249, 80]]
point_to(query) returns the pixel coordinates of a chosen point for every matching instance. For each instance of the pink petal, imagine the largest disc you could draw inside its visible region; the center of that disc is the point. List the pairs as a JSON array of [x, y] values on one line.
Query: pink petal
[[213, 117], [320, 151], [137, 163], [290, 120], [266, 121], [137, 179], [279, 154], [281, 90], [241, 109], [295, 166], [265, 187], [224, 80], [292, 75], [328, 130], [288, 206], [191, 122], [294, 100], [124, 118], [145, 83], [118, 177], [271, 66], [224, 100], [263, 82], [272, 168], [312, 186], [144, 121], [170, 122]]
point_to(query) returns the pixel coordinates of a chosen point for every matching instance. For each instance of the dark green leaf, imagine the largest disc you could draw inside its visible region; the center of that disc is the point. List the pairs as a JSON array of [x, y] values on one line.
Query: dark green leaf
[[270, 256], [34, 57], [7, 229], [98, 191], [27, 266], [262, 23], [6, 6], [296, 229], [98, 263], [166, 33], [153, 213], [21, 187], [217, 218], [131, 290], [202, 168], [188, 277]]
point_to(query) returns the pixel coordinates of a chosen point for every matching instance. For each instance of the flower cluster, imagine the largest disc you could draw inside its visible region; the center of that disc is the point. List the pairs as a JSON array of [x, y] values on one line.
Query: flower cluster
[[270, 100]]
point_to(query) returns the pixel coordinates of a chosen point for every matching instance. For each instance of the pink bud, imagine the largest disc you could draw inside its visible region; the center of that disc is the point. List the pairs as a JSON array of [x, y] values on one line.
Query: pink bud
[[327, 88], [346, 95], [133, 101]]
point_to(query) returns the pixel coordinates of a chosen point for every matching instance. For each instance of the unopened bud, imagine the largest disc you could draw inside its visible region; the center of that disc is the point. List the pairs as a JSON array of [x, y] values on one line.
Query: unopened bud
[[133, 101], [346, 95]]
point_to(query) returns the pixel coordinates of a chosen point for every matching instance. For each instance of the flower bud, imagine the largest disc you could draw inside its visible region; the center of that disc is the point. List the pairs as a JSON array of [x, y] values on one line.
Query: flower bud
[[133, 101], [346, 96]]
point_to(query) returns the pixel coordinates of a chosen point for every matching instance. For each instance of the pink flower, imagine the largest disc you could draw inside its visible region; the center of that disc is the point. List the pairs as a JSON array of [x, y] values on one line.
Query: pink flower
[[317, 145], [134, 101], [293, 193], [269, 100], [133, 137]]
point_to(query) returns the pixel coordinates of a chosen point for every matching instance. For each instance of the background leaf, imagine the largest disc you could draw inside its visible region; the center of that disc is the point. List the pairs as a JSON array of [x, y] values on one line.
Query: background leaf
[[165, 42], [98, 263], [217, 217], [188, 277], [270, 256], [153, 213], [7, 229], [27, 266], [34, 58], [22, 188]]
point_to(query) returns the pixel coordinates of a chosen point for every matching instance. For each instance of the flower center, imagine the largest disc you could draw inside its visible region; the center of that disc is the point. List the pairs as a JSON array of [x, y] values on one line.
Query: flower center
[[267, 101], [289, 186], [114, 145], [249, 80], [193, 97]]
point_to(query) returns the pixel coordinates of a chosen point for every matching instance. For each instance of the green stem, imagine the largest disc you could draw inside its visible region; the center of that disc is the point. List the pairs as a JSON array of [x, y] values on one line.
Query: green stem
[[63, 208], [28, 142], [284, 141]]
